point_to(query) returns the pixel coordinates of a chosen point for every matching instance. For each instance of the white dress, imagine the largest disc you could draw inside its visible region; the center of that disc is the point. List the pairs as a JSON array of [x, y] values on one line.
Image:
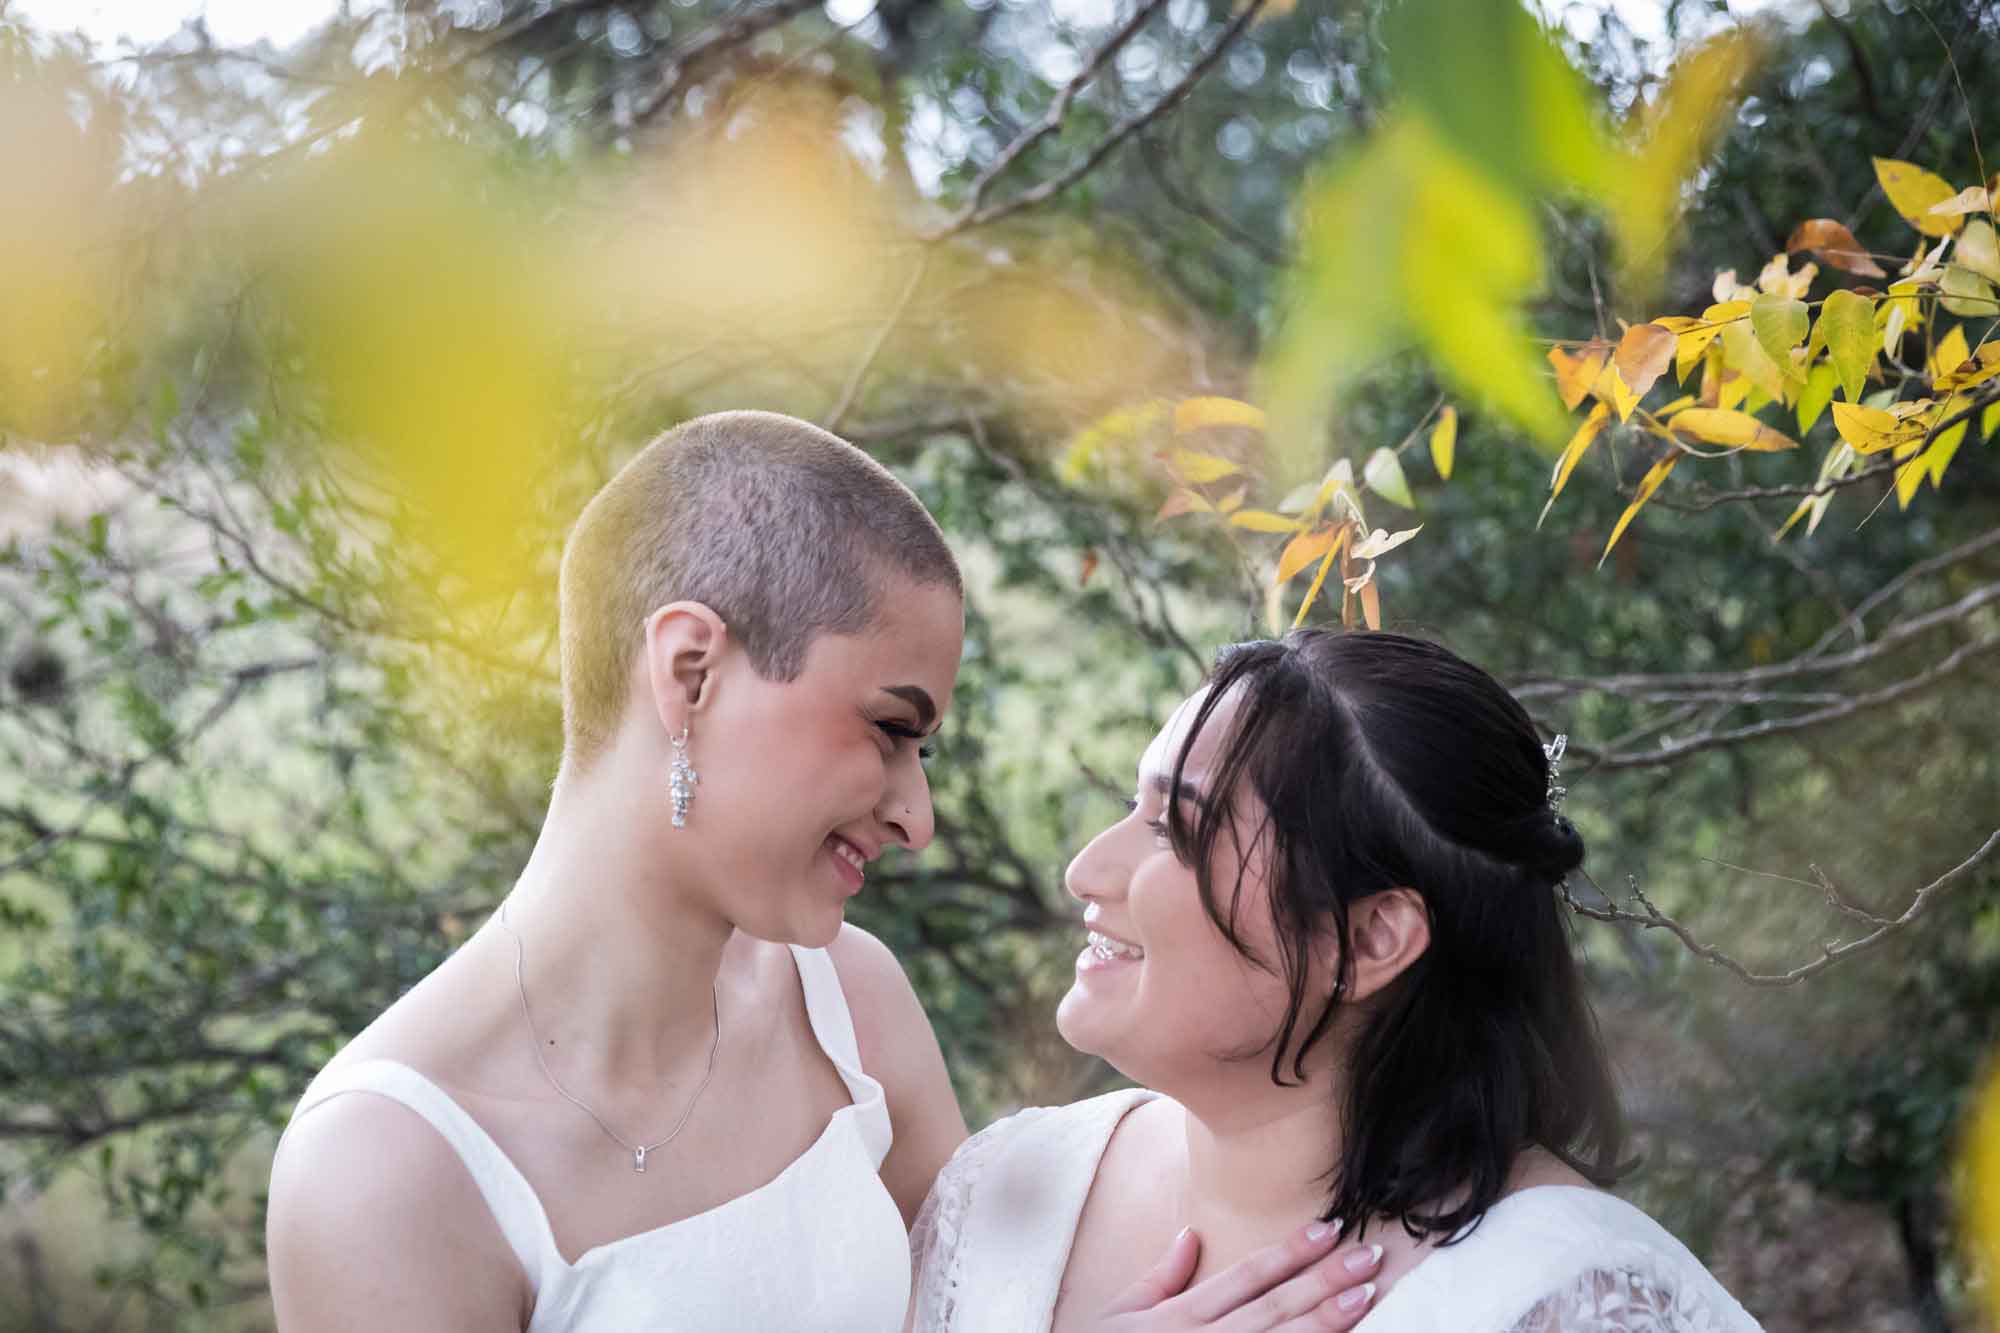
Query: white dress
[[820, 1247], [994, 1238]]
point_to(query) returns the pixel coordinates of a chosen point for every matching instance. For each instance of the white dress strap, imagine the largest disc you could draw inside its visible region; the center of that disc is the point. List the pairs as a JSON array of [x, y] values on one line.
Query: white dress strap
[[833, 1028], [509, 1196]]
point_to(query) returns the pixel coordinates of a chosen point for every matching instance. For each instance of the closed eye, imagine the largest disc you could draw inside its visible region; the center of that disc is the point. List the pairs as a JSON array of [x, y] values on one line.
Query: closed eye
[[905, 733], [1159, 826]]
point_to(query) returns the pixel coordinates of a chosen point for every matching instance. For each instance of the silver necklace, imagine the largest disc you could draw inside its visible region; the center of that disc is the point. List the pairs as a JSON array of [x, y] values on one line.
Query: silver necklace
[[638, 1150]]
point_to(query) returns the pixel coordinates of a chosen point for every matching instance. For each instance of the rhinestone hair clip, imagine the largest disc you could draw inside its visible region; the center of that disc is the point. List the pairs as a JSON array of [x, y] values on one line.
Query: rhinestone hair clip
[[1554, 751]]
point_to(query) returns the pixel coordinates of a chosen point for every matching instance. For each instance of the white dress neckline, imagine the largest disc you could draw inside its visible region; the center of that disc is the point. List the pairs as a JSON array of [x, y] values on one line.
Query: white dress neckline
[[819, 1246]]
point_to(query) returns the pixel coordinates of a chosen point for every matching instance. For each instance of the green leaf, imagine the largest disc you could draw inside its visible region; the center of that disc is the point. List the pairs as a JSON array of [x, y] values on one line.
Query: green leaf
[[1781, 324], [1818, 392], [1966, 293], [1849, 321], [1384, 475], [1500, 92]]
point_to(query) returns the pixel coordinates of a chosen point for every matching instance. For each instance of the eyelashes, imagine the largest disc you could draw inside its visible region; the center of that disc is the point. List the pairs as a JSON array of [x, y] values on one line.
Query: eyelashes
[[903, 733], [1159, 826]]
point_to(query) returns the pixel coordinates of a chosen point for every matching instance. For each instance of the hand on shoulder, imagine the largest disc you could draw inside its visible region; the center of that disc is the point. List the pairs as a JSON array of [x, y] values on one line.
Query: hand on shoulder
[[375, 1223], [901, 1051]]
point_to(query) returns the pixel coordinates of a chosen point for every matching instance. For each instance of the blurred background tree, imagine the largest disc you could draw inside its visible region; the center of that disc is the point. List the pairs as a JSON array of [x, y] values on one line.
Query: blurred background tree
[[312, 353]]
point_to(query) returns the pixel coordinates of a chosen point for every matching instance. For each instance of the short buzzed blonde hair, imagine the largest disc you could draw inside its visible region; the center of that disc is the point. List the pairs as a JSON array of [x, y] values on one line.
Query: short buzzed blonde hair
[[784, 530]]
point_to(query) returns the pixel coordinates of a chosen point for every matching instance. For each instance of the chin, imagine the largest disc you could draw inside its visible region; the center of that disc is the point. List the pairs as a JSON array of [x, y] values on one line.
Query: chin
[[1073, 1023]]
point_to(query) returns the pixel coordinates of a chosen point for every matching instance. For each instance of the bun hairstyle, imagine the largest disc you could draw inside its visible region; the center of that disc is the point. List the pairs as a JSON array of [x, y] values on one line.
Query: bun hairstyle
[[1383, 761]]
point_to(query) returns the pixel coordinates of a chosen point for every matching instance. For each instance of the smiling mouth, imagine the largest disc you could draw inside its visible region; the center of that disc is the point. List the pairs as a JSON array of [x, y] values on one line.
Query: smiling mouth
[[849, 853], [1110, 949]]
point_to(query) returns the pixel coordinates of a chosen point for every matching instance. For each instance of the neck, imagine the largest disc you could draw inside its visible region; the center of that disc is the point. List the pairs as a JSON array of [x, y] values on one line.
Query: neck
[[1256, 1158], [618, 964]]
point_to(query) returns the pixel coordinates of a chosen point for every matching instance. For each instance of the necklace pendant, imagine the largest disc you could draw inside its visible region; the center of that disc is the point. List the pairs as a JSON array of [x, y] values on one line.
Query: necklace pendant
[[639, 1160]]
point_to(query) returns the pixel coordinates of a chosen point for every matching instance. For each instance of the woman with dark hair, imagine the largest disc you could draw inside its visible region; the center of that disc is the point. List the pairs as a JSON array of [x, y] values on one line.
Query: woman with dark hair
[[1328, 944]]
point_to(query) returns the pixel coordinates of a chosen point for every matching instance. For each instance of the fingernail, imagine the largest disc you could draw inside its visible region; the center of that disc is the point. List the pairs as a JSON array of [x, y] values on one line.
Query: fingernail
[[1358, 1297], [1363, 1260], [1320, 1231], [1183, 1234]]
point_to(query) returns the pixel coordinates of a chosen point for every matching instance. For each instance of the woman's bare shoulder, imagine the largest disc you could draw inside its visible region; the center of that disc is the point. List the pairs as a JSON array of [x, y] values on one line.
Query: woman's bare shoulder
[[374, 1222]]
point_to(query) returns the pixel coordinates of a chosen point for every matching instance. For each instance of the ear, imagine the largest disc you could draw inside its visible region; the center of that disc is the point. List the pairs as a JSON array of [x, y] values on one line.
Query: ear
[[684, 644], [1386, 932]]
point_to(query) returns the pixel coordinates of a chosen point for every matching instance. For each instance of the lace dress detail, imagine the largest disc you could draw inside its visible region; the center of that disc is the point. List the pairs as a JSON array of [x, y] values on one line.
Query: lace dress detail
[[1628, 1300], [936, 1253]]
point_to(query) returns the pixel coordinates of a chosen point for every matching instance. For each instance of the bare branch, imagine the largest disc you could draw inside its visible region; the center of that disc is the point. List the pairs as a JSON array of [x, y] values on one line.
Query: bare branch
[[1123, 130], [1650, 917]]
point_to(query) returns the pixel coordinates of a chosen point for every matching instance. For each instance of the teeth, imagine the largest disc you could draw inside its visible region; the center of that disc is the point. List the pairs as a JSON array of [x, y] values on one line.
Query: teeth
[[1107, 948], [849, 855]]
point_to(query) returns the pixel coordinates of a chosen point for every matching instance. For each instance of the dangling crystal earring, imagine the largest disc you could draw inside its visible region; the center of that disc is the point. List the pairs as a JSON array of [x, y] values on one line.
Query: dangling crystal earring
[[681, 779]]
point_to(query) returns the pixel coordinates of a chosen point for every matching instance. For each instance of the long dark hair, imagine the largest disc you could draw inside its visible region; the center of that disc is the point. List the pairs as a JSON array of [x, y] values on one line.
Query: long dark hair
[[1384, 761]]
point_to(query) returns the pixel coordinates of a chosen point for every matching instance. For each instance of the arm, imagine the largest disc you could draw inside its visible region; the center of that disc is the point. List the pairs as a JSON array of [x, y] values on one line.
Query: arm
[[374, 1224], [899, 1049]]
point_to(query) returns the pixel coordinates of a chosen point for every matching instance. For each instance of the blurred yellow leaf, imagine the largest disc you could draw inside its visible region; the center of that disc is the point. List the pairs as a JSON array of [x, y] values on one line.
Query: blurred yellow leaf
[[1444, 441], [1371, 605], [1870, 430], [1301, 551], [1600, 416], [1384, 474], [1834, 243], [1577, 371], [1966, 293], [1982, 1187], [1381, 542], [1680, 404], [1648, 484], [1989, 421], [1848, 320], [1194, 414], [1263, 520], [1643, 355], [1913, 192], [1471, 254], [1668, 140], [1198, 469], [1972, 199], [1736, 430], [1777, 278], [1183, 501], [1233, 501], [1085, 455], [1979, 249], [1319, 579]]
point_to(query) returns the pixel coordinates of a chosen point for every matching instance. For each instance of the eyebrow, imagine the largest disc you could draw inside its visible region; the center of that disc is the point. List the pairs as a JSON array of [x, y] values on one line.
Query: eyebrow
[[918, 698], [1187, 791]]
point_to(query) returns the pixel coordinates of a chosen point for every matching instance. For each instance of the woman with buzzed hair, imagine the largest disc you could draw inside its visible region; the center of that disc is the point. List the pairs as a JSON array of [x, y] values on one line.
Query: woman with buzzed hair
[[664, 1087]]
